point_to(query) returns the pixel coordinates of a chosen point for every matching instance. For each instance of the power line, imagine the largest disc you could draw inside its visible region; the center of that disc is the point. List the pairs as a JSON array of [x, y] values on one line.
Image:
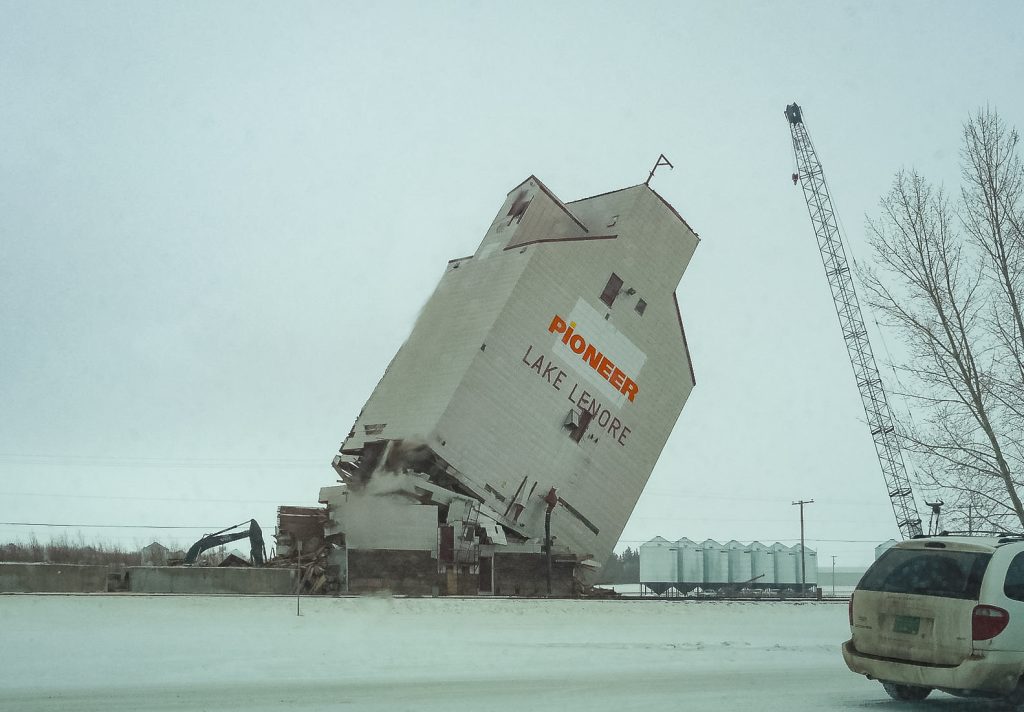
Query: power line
[[155, 463], [97, 526], [695, 495], [155, 499], [157, 459], [824, 520]]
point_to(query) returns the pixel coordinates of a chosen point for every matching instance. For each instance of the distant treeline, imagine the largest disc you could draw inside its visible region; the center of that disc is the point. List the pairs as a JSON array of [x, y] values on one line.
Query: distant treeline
[[64, 551], [621, 568]]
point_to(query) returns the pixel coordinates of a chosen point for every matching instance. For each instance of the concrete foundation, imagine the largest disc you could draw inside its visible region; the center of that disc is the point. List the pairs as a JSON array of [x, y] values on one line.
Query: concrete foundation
[[180, 579], [526, 575], [409, 573], [52, 578]]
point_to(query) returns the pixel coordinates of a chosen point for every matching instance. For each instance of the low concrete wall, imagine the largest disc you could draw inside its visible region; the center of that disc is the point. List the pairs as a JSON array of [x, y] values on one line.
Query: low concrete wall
[[409, 573], [52, 578], [526, 575], [202, 579]]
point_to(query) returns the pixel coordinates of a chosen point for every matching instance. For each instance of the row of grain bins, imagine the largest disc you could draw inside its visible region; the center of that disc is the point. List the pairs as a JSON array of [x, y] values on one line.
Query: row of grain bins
[[685, 565]]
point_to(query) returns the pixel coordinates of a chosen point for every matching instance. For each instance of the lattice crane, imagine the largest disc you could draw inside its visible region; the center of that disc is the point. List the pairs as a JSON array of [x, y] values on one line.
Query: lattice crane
[[840, 279]]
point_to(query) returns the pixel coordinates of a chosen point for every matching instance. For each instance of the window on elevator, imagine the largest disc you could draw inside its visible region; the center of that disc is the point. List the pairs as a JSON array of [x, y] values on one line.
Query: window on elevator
[[611, 290]]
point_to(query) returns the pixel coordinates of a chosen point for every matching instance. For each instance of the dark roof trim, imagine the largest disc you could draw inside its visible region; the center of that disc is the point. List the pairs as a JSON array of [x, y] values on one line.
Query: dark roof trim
[[601, 195], [674, 212], [461, 259], [667, 204], [686, 346], [554, 197], [562, 239]]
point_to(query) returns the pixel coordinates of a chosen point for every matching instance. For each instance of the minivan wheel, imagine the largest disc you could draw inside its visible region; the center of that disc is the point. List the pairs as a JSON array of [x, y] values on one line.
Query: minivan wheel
[[907, 693]]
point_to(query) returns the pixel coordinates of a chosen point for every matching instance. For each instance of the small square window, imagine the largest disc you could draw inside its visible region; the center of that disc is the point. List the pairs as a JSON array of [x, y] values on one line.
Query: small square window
[[611, 290], [641, 307]]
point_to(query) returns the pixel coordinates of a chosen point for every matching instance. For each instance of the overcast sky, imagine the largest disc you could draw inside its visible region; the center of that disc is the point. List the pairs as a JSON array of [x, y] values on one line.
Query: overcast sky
[[218, 222]]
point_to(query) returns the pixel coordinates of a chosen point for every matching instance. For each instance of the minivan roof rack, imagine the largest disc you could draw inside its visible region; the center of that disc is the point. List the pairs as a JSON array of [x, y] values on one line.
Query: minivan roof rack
[[1002, 533]]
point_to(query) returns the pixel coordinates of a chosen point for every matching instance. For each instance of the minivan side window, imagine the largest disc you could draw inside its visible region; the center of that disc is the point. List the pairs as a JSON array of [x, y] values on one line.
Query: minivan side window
[[1014, 585]]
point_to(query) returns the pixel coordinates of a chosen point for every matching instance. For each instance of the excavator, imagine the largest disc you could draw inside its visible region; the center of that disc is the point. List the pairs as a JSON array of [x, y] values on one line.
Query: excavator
[[224, 536]]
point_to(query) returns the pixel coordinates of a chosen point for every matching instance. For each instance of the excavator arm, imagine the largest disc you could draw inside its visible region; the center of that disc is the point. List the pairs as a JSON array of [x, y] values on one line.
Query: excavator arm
[[253, 532]]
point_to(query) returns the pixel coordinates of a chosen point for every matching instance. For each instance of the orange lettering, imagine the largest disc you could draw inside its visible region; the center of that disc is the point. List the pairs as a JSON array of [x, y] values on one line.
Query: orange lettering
[[595, 359], [630, 389], [593, 356], [617, 379]]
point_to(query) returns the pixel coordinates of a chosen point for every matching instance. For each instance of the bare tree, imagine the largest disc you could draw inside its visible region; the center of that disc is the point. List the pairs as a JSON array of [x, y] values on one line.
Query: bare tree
[[949, 279]]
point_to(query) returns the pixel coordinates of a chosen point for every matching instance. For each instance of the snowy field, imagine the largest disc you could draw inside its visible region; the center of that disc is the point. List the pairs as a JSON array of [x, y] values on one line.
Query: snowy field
[[228, 653]]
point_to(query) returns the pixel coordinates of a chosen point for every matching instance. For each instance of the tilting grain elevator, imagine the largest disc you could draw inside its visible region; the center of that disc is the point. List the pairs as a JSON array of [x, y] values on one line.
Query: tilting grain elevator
[[536, 390]]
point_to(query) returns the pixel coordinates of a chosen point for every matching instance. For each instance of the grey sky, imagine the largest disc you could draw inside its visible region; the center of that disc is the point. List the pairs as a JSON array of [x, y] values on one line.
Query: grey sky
[[219, 221]]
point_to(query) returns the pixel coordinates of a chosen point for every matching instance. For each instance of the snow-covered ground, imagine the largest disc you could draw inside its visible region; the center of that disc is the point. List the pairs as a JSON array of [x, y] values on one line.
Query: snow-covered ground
[[229, 653]]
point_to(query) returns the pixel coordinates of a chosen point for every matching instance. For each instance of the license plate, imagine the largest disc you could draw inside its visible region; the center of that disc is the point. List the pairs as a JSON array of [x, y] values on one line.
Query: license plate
[[906, 624]]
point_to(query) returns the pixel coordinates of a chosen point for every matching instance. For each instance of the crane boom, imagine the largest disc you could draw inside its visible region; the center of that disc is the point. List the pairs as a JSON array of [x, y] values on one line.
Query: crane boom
[[840, 279]]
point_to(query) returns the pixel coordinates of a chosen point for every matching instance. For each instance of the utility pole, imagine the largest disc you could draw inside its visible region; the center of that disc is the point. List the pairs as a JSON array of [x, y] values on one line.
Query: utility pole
[[298, 577], [833, 575], [803, 557], [552, 500]]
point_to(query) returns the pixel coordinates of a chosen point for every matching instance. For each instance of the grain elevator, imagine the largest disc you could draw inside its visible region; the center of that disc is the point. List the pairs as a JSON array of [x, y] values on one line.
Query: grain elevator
[[528, 406]]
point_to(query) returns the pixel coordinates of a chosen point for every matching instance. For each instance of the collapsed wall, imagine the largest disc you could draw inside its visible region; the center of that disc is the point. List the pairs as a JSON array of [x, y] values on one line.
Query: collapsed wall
[[529, 404]]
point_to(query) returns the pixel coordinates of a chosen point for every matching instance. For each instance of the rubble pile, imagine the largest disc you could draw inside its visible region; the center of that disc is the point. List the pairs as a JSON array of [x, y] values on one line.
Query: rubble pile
[[302, 545]]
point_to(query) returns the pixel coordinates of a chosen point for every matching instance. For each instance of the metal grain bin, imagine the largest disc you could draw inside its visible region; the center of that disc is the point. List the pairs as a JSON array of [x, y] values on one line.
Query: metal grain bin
[[740, 563], [691, 564], [811, 557], [716, 563], [785, 565], [762, 565], [884, 547], [658, 565]]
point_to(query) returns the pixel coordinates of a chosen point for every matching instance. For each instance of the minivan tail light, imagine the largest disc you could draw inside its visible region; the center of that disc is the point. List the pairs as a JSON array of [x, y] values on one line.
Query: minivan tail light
[[988, 621], [849, 608]]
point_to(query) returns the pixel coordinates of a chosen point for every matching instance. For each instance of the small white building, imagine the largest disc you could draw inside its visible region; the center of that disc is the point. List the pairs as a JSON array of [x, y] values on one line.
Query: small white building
[[156, 554]]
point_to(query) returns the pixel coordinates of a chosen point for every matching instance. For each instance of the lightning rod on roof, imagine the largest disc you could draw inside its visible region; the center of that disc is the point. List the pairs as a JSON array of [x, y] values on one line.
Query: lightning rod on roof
[[662, 161]]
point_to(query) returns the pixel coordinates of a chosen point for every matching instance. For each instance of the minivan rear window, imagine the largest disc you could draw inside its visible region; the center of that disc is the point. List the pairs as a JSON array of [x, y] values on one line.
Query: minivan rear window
[[928, 572]]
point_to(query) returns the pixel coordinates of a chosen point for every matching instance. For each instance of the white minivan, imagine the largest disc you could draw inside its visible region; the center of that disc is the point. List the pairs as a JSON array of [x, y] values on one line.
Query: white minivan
[[943, 613]]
